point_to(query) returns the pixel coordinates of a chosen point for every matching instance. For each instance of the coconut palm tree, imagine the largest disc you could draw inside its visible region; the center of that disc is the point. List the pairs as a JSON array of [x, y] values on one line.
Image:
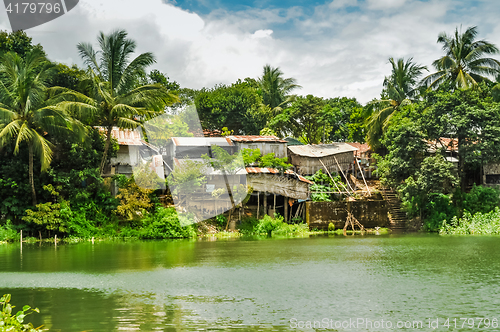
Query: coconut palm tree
[[401, 88], [464, 63], [26, 113], [276, 89], [115, 97]]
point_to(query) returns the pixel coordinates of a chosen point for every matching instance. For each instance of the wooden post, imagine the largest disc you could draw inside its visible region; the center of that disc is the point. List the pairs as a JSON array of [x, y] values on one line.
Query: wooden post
[[258, 204], [265, 203], [326, 169], [346, 179], [274, 207], [40, 235], [363, 175], [21, 236], [286, 209], [55, 239]]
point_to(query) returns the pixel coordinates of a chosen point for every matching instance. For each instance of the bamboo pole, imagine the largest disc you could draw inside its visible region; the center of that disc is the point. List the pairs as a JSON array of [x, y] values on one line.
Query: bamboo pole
[[326, 169], [274, 207], [363, 175], [258, 204], [346, 179], [265, 203], [286, 208]]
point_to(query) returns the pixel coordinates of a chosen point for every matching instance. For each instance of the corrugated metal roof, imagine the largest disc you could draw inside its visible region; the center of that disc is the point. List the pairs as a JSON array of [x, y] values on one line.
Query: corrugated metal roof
[[255, 138], [202, 141], [264, 170], [124, 136], [321, 150], [362, 148], [293, 141], [451, 144]]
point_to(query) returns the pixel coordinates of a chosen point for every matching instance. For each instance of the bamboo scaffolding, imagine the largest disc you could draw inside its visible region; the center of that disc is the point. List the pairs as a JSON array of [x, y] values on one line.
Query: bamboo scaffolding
[[346, 179], [363, 175], [326, 169]]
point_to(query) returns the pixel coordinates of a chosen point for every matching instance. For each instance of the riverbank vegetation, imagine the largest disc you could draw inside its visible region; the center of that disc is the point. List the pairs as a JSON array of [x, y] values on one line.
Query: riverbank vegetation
[[56, 121]]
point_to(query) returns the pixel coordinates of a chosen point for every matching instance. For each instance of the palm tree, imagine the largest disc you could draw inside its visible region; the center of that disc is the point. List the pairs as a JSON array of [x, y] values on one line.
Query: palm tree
[[115, 96], [464, 63], [26, 115], [401, 88], [276, 89]]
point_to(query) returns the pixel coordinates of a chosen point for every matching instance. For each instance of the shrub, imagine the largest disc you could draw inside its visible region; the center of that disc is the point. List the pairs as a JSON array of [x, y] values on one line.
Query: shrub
[[52, 217], [8, 233], [276, 226], [479, 199], [479, 223], [14, 323], [331, 227], [438, 210], [165, 224]]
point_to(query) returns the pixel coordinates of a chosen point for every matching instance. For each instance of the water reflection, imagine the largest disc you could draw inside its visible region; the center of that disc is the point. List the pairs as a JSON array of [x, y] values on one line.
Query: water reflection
[[253, 285]]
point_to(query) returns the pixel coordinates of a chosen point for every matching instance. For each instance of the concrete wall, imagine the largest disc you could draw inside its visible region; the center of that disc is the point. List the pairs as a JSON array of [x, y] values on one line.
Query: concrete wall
[[126, 155], [369, 213]]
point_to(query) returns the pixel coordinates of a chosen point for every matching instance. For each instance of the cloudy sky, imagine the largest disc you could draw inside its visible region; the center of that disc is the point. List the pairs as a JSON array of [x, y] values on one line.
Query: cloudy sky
[[333, 48]]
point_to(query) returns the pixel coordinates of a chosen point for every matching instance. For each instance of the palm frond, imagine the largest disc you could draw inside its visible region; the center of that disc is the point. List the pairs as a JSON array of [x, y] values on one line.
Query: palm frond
[[89, 57], [42, 148], [24, 134], [9, 131]]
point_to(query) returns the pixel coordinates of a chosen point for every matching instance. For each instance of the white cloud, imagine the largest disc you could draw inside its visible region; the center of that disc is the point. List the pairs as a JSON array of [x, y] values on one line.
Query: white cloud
[[341, 49], [385, 4]]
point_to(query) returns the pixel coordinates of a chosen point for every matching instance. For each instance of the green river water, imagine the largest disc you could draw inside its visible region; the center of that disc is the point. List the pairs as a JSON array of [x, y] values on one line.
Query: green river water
[[351, 283]]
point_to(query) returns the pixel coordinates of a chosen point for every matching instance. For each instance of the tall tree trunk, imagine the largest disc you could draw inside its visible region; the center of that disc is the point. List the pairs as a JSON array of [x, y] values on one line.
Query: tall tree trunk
[[32, 181], [106, 148]]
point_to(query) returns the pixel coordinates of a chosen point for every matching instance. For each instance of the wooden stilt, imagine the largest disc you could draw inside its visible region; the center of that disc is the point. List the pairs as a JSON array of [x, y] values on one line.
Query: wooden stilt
[[327, 172], [286, 209], [274, 206], [258, 204], [363, 175], [346, 179], [265, 203]]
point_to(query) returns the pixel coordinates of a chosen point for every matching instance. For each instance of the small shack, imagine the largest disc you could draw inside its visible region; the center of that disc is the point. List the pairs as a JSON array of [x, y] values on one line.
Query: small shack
[[365, 161], [266, 144], [132, 150], [193, 148], [308, 159], [276, 191]]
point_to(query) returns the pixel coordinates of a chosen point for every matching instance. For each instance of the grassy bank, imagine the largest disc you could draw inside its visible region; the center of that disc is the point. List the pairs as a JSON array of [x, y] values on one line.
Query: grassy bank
[[165, 224]]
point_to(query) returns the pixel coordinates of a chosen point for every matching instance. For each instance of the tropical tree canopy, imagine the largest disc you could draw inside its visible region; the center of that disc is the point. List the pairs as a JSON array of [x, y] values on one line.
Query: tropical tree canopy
[[114, 96], [400, 88], [275, 88], [464, 63], [26, 115]]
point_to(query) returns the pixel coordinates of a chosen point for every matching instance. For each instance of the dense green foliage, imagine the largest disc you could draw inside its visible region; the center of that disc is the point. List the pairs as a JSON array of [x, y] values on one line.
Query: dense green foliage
[[479, 223], [321, 190], [10, 322], [49, 113], [275, 226], [237, 107]]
